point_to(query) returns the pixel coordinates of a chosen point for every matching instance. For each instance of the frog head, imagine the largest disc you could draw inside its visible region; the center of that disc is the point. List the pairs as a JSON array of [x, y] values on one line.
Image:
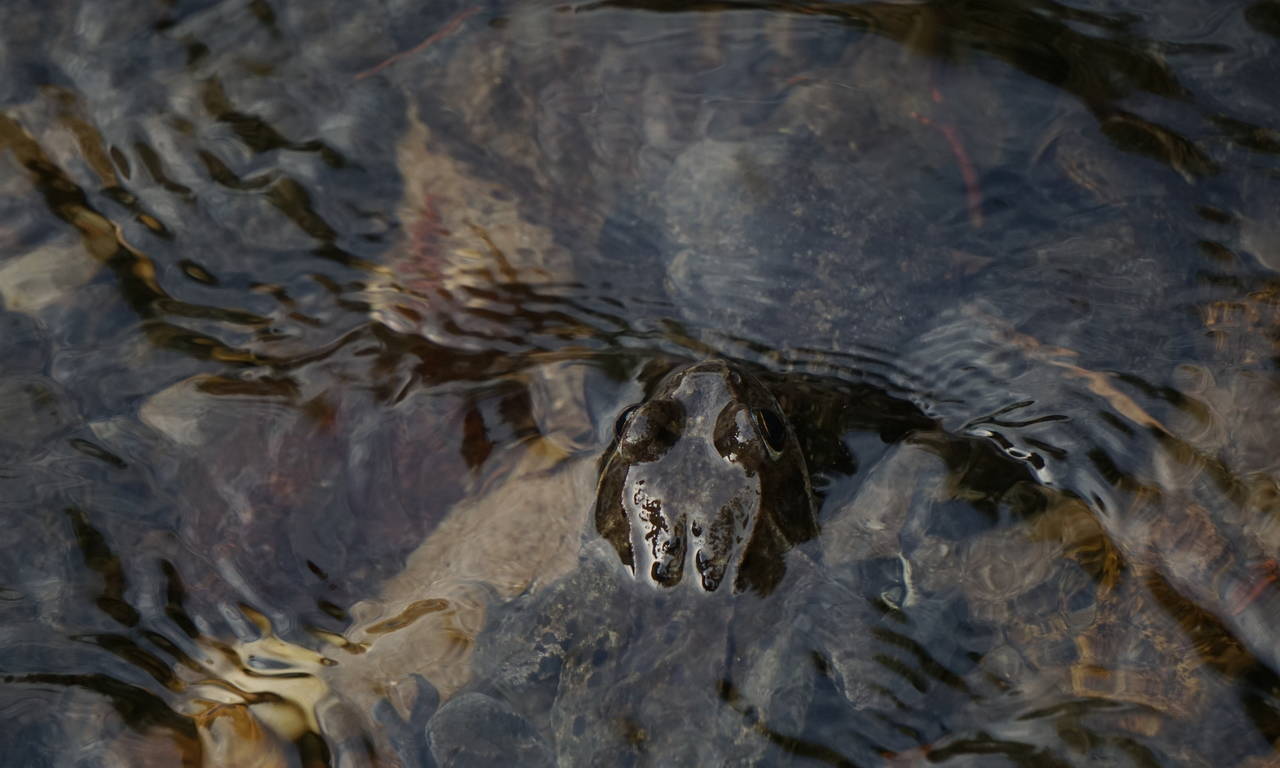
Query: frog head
[[705, 484]]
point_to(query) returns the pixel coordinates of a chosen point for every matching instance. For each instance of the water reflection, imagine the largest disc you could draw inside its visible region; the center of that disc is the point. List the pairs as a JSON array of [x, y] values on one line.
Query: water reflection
[[316, 323]]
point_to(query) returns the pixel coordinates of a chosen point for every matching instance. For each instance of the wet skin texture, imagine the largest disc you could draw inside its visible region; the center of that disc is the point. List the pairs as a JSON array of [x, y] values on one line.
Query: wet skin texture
[[705, 482]]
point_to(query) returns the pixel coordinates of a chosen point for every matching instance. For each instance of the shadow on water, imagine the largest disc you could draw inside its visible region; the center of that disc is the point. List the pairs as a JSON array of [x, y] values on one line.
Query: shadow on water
[[286, 288]]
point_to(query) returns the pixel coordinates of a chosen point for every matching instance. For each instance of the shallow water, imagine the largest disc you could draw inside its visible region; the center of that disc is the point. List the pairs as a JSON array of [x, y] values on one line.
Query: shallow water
[[289, 290]]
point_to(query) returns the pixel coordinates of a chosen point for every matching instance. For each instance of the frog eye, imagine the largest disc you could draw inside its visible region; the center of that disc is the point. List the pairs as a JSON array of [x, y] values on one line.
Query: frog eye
[[772, 428], [647, 431], [623, 418]]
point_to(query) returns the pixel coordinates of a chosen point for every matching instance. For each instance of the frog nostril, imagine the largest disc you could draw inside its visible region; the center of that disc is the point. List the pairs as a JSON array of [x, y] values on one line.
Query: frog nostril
[[710, 571], [665, 573]]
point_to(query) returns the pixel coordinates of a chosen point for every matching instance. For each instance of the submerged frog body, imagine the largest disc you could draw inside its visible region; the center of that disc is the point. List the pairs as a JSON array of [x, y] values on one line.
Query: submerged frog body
[[700, 496]]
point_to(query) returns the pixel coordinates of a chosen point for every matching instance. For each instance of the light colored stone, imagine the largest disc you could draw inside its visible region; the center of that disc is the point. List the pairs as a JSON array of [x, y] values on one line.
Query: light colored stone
[[46, 275]]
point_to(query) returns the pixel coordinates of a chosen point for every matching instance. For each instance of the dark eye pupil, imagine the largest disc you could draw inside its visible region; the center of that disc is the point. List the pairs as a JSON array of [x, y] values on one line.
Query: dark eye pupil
[[772, 428], [623, 419]]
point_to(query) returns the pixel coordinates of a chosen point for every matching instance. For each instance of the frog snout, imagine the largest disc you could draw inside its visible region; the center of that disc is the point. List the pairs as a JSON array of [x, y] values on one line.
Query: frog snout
[[705, 540], [710, 559]]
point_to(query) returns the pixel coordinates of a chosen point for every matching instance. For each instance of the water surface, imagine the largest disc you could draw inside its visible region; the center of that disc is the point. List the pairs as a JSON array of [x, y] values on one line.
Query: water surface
[[286, 286]]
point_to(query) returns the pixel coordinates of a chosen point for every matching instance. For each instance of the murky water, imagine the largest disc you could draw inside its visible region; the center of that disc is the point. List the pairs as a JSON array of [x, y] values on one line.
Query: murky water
[[317, 320]]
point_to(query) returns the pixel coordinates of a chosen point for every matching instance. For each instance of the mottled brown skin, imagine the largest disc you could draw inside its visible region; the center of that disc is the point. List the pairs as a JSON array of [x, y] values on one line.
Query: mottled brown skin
[[705, 482]]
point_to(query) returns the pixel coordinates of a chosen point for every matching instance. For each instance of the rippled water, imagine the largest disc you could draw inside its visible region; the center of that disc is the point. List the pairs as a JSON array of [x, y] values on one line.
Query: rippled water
[[316, 320]]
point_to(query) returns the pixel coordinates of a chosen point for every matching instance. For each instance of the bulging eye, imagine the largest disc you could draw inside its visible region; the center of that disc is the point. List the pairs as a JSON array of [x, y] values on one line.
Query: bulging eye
[[623, 419], [772, 428], [647, 431]]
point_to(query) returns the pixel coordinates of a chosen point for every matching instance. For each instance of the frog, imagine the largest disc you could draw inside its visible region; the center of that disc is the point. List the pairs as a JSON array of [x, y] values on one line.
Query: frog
[[698, 500]]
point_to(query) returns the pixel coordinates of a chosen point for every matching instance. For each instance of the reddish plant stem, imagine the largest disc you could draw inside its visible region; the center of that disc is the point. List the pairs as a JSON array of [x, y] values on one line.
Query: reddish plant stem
[[1246, 595], [972, 192], [448, 29]]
